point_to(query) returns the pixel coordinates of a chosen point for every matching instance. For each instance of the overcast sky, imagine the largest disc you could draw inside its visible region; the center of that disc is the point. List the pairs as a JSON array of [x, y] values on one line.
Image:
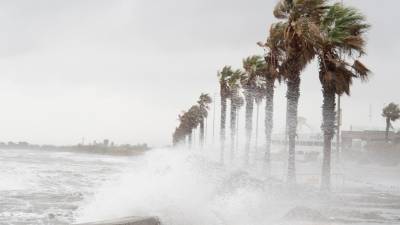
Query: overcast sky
[[124, 70]]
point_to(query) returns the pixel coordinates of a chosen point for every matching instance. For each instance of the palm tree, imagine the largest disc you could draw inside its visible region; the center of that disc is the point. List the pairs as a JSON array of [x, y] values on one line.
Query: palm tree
[[236, 103], [223, 76], [239, 104], [183, 130], [251, 65], [194, 118], [259, 95], [297, 15], [274, 54], [391, 112], [179, 135], [203, 102], [339, 33]]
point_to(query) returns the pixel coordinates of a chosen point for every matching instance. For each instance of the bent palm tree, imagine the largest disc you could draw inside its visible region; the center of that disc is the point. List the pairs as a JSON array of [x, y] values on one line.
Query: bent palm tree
[[297, 15], [203, 102], [188, 121], [340, 32], [181, 131], [236, 102], [274, 48], [223, 76], [252, 66], [195, 117], [391, 112], [259, 95]]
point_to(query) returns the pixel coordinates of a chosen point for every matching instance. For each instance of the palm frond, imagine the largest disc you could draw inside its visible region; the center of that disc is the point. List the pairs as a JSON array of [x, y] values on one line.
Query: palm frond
[[344, 26]]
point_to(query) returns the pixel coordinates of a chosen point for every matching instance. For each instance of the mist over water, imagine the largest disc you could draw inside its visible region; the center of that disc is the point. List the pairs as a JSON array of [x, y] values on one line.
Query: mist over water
[[189, 187], [184, 187]]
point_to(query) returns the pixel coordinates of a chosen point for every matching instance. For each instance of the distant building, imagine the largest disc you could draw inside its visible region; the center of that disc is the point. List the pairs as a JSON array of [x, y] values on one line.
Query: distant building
[[106, 142], [367, 136]]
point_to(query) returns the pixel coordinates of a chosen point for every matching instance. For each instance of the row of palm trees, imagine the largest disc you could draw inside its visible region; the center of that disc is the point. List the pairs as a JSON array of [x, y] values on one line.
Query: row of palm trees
[[245, 87], [191, 119], [307, 29]]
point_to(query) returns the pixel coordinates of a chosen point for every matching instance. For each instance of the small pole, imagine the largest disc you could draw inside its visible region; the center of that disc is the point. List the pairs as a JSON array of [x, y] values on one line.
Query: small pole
[[205, 131], [213, 123], [339, 122]]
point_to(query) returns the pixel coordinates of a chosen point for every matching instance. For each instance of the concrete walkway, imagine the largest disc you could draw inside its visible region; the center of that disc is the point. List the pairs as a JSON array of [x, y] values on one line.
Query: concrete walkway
[[127, 221]]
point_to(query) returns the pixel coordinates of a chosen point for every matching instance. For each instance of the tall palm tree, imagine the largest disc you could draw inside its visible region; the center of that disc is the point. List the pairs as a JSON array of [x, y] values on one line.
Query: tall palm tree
[[203, 102], [391, 112], [259, 95], [296, 15], [183, 131], [251, 65], [185, 126], [236, 103], [274, 53], [194, 118], [223, 76], [239, 105], [180, 132], [339, 34]]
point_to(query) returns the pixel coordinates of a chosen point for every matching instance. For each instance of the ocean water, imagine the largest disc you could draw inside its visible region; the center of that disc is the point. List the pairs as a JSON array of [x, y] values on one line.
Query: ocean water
[[46, 187], [188, 187]]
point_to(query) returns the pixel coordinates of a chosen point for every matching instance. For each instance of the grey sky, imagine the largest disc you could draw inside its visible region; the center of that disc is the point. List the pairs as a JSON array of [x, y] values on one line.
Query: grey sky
[[124, 69]]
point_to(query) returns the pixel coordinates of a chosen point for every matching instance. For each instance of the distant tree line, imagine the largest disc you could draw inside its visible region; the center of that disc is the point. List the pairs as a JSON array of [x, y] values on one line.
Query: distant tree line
[[102, 147]]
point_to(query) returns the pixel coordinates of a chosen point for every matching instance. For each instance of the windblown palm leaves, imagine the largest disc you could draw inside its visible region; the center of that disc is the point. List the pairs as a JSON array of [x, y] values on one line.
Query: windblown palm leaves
[[341, 34], [292, 36]]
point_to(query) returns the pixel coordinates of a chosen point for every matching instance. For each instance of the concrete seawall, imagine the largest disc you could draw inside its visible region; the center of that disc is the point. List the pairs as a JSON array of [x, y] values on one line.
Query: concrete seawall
[[127, 221]]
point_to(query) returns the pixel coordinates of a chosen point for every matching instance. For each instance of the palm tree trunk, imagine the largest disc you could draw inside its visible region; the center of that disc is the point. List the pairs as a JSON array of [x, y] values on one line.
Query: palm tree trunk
[[248, 123], [190, 139], [237, 128], [257, 119], [233, 127], [223, 126], [328, 129], [292, 95], [387, 129], [269, 110], [201, 133], [194, 137]]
